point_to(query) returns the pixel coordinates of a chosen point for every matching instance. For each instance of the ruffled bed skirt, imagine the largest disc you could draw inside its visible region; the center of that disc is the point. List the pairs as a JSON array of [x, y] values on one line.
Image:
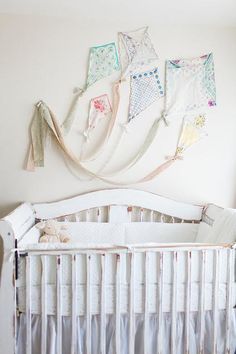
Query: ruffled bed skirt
[[139, 333]]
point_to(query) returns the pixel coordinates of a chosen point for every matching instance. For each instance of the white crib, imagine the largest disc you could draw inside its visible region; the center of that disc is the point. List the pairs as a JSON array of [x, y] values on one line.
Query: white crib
[[129, 297]]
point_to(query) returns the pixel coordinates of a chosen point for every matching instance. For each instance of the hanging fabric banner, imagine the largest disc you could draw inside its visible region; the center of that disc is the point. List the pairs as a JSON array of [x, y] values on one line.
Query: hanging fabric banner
[[103, 61], [193, 130], [136, 50], [100, 108], [43, 115], [190, 85], [145, 88]]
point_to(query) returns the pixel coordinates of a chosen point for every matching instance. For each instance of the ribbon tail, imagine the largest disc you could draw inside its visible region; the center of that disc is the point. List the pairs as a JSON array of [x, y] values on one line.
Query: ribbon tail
[[158, 170]]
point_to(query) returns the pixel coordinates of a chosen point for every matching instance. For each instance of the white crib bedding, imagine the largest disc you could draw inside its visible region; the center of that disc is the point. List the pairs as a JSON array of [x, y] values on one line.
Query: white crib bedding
[[124, 329], [85, 233]]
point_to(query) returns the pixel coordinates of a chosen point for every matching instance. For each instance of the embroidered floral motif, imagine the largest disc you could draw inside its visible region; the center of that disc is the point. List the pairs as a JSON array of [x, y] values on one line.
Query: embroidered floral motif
[[103, 61], [100, 108]]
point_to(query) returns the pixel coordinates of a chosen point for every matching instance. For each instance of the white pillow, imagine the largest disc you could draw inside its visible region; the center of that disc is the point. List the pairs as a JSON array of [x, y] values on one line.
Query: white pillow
[[203, 232], [82, 233], [150, 232]]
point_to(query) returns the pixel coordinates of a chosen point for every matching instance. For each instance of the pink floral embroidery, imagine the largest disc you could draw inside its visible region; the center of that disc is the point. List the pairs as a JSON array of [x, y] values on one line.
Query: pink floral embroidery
[[211, 103], [98, 105]]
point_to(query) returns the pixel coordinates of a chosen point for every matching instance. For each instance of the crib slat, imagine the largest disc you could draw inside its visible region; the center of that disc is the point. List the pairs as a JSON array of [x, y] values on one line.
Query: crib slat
[[59, 302], [74, 304], [230, 267], [215, 299], [99, 214], [151, 216], [146, 314], [159, 302], [131, 304], [187, 301], [118, 304], [202, 302], [103, 305], [88, 305], [174, 297], [44, 305], [28, 306]]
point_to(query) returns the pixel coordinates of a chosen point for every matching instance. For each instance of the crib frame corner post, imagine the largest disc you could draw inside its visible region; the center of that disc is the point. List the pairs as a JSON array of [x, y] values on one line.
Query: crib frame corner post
[[8, 321]]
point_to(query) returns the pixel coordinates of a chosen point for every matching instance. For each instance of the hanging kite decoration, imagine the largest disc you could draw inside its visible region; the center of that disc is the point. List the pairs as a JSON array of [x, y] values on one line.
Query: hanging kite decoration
[[190, 90], [193, 130], [103, 61], [100, 108], [146, 88], [136, 50], [190, 85]]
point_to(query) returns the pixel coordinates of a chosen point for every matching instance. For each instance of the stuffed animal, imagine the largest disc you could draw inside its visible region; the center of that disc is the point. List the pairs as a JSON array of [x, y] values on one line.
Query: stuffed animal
[[52, 231]]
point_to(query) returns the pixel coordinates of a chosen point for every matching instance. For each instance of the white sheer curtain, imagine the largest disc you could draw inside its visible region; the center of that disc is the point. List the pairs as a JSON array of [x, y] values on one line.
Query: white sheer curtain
[[110, 334]]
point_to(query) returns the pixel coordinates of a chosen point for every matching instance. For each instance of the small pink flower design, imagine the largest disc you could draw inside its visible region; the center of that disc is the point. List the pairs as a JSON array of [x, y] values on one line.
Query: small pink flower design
[[99, 105]]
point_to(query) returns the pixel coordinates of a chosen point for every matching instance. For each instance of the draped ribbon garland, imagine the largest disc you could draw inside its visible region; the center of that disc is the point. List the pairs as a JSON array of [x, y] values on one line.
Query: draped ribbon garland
[[44, 122]]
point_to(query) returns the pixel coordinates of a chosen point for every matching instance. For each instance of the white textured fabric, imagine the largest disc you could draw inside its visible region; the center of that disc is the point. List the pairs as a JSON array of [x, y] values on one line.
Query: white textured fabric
[[224, 227], [203, 231], [139, 334], [160, 232]]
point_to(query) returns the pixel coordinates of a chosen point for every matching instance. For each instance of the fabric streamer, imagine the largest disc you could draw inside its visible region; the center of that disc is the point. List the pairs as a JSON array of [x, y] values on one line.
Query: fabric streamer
[[103, 61], [44, 122], [145, 88], [190, 85], [136, 50]]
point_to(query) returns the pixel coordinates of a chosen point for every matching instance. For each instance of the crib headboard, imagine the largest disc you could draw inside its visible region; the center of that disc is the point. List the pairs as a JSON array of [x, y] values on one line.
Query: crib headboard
[[121, 204]]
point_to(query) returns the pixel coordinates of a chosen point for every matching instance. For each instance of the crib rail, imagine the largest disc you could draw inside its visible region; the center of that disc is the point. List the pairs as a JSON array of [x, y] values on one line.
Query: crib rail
[[125, 289]]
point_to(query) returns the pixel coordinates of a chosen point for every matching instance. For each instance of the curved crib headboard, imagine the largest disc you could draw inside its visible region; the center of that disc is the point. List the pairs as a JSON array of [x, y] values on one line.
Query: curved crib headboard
[[99, 203]]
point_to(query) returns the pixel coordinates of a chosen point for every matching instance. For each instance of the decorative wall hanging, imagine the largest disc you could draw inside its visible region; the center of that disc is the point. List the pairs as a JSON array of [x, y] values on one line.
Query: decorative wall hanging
[[145, 89], [103, 61], [45, 123], [193, 130], [190, 90], [190, 85], [136, 50], [100, 108]]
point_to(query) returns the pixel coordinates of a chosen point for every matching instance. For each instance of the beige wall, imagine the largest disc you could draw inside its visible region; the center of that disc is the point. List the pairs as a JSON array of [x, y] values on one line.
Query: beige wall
[[44, 58]]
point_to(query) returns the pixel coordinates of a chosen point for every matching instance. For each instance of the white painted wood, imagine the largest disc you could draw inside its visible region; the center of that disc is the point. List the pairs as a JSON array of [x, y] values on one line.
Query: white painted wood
[[118, 260], [103, 305], [215, 299], [230, 269], [131, 304], [160, 303], [59, 304], [74, 304], [28, 306], [44, 305], [8, 321], [187, 302], [88, 305], [174, 299], [118, 197], [202, 303], [21, 219], [146, 305]]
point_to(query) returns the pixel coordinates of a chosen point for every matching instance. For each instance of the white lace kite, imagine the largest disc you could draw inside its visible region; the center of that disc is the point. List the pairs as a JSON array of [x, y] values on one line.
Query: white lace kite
[[190, 85], [136, 50]]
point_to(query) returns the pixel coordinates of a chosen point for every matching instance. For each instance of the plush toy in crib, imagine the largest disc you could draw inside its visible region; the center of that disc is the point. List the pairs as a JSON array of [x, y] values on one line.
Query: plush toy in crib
[[52, 232]]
